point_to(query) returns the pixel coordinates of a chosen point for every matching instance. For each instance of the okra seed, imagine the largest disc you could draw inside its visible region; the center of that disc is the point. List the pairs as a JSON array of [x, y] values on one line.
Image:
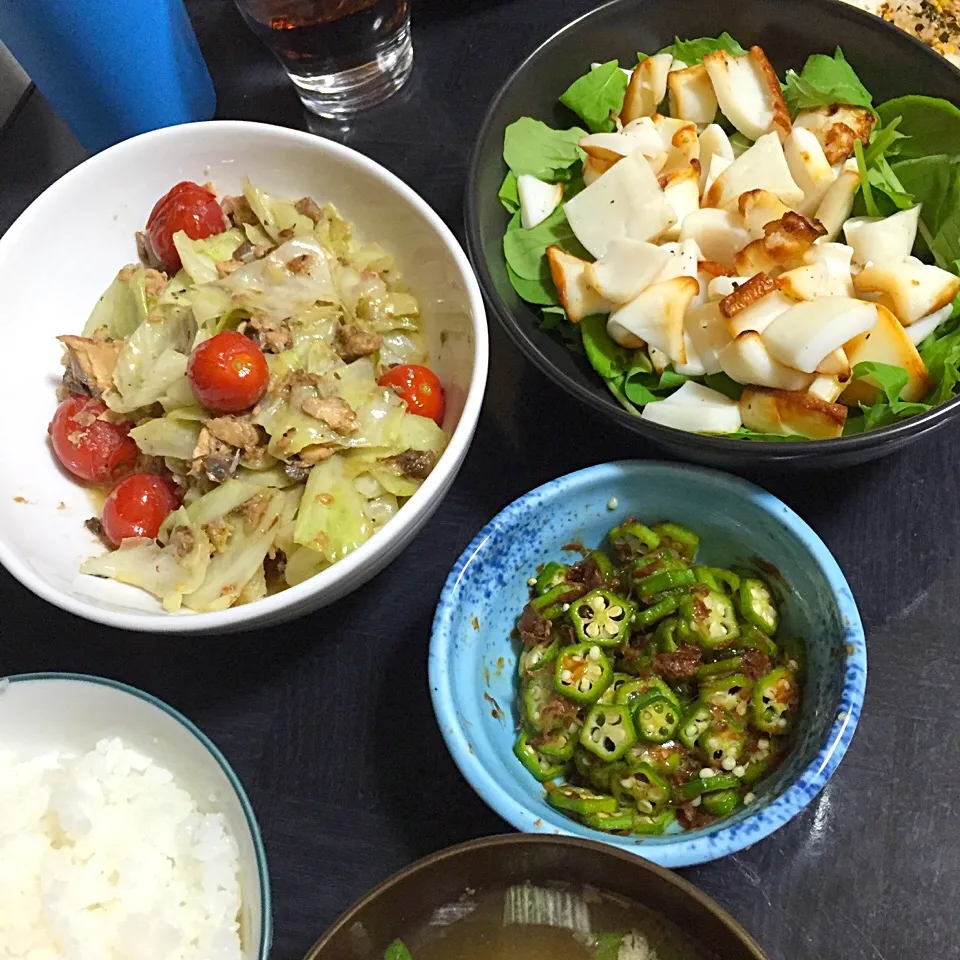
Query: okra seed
[[739, 770], [749, 798], [742, 709], [532, 582], [696, 801], [566, 676], [613, 503], [565, 607], [707, 772], [628, 782], [728, 763], [763, 744], [645, 806], [594, 653]]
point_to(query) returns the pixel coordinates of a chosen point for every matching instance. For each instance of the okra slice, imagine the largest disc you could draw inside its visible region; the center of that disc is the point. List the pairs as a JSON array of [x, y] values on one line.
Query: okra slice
[[684, 541], [583, 671], [757, 606], [534, 658], [721, 803], [654, 825], [580, 800], [620, 821], [723, 740], [602, 617], [543, 768], [730, 693], [656, 719], [644, 786], [775, 696], [552, 575], [608, 731], [639, 687], [710, 616]]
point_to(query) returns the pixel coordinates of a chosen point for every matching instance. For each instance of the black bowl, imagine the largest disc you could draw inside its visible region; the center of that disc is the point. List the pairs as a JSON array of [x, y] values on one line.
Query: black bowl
[[889, 62]]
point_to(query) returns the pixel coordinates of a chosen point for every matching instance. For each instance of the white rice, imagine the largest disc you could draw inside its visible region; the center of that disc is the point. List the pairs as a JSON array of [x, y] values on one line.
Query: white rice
[[105, 857]]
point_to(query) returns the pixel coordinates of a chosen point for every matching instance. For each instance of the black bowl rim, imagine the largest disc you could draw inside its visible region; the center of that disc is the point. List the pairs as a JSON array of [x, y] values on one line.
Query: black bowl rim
[[316, 952], [913, 427]]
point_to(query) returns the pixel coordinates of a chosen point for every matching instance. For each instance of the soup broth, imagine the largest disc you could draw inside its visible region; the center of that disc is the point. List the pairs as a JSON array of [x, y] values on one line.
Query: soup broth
[[558, 922]]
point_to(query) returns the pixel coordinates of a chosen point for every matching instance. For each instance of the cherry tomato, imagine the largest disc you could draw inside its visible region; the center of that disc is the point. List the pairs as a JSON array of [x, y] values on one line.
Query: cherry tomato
[[419, 388], [98, 451], [137, 506], [228, 373], [187, 207]]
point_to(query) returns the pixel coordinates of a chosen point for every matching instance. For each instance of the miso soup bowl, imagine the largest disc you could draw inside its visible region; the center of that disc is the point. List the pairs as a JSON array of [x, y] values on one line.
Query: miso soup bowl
[[473, 661], [412, 895]]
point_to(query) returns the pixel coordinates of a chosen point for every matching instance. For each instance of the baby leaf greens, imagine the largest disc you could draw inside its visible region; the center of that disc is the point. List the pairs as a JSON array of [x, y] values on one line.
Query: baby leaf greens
[[597, 97], [692, 52], [531, 147], [823, 82]]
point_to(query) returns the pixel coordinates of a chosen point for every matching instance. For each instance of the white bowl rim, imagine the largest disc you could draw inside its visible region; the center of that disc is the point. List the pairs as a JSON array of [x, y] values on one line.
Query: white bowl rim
[[263, 873], [157, 622]]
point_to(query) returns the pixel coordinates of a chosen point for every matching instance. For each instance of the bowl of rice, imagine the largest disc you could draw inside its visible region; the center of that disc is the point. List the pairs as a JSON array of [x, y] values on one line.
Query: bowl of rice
[[125, 832]]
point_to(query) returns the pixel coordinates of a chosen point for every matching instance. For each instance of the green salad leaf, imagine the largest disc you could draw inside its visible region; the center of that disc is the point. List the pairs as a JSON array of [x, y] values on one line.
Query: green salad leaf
[[882, 141], [746, 434], [692, 52], [539, 291], [934, 182], [941, 349], [508, 194], [525, 251], [891, 380], [397, 951], [824, 81], [532, 147], [928, 126], [947, 388], [606, 356], [597, 96]]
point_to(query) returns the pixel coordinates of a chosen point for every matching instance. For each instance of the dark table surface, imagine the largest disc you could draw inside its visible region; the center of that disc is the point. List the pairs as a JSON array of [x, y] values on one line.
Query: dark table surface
[[328, 721]]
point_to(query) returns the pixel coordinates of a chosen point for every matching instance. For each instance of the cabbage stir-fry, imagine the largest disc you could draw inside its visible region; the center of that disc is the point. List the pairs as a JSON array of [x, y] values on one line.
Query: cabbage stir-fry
[[254, 396]]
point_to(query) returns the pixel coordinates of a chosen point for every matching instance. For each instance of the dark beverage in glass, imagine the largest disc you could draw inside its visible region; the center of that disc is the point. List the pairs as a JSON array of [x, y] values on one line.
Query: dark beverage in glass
[[342, 55]]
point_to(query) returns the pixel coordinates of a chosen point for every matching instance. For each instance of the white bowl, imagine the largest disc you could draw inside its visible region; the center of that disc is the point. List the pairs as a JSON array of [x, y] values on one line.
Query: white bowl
[[40, 712], [63, 252]]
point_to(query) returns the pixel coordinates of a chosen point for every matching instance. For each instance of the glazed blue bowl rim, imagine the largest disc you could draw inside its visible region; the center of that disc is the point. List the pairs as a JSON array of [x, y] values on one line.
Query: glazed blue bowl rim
[[677, 852]]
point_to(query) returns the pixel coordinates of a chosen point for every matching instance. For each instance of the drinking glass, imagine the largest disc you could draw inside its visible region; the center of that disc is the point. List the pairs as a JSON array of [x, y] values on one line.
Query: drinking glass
[[342, 55]]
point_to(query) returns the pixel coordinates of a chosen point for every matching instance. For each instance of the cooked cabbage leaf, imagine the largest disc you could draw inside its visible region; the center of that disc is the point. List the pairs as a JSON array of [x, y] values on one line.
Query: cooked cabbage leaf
[[200, 257], [167, 437], [280, 285], [251, 537], [276, 213], [331, 518], [168, 572], [122, 307]]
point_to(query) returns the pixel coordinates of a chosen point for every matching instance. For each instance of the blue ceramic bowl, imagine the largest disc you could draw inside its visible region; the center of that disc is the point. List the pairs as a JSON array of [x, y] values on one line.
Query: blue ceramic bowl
[[473, 663]]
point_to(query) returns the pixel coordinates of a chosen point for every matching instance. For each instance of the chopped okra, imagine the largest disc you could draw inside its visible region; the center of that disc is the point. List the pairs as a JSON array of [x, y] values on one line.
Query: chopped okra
[[653, 696]]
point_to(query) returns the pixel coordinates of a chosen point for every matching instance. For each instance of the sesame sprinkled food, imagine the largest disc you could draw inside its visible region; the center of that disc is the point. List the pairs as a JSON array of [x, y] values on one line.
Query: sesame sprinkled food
[[659, 698], [935, 22]]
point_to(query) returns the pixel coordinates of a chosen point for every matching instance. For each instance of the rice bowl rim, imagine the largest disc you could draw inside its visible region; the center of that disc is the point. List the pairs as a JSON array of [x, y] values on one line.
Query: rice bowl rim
[[266, 921]]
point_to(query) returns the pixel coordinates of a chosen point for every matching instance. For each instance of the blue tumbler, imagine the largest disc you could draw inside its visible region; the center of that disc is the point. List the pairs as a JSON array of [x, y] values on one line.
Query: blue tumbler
[[111, 68]]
